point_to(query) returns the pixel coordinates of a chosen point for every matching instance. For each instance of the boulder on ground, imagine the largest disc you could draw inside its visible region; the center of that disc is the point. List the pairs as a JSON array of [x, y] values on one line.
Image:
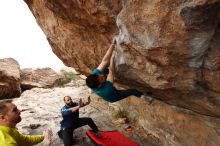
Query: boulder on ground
[[9, 78], [42, 78]]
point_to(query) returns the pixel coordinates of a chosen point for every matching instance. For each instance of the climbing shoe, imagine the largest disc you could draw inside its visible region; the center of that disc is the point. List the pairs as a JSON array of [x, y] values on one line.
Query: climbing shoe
[[97, 134]]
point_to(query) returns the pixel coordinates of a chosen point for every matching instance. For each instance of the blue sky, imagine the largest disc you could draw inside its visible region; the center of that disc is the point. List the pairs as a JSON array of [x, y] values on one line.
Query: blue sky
[[22, 39]]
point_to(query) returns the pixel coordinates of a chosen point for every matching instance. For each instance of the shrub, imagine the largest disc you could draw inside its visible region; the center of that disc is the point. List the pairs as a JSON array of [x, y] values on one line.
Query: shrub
[[68, 76], [119, 114]]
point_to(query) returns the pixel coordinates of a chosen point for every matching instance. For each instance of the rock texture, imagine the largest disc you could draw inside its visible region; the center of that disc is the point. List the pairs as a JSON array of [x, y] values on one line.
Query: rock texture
[[77, 30], [42, 78], [170, 47], [9, 78], [174, 126]]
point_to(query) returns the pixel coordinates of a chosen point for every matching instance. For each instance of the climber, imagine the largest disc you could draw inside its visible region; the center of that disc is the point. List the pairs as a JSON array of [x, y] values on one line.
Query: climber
[[71, 120], [103, 86]]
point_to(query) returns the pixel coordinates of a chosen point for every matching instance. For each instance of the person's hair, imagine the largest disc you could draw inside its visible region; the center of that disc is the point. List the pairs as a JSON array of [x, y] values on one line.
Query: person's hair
[[3, 106], [64, 98], [92, 81]]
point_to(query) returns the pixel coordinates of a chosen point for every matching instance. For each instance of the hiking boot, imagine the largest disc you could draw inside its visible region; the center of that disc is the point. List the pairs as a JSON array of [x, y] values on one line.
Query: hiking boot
[[97, 134]]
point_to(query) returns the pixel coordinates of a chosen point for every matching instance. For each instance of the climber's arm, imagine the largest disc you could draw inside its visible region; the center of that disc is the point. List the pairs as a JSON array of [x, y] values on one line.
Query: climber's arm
[[107, 57], [111, 74]]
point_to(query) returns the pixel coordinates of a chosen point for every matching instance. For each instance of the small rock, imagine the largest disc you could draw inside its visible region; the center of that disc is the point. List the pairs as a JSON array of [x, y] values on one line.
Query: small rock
[[34, 126]]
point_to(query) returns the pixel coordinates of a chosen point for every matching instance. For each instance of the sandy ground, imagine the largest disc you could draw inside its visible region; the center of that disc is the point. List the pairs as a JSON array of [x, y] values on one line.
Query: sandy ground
[[41, 110]]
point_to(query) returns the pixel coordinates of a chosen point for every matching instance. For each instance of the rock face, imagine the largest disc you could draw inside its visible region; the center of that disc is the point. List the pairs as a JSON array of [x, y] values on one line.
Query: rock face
[[9, 78], [77, 30], [174, 126], [42, 78], [170, 47]]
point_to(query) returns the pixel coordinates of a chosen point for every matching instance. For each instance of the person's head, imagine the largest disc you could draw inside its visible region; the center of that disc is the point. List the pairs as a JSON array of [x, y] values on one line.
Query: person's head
[[95, 81], [68, 100], [9, 113]]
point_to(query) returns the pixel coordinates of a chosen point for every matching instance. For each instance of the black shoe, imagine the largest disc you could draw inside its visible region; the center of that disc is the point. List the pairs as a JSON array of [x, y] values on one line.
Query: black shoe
[[60, 134], [97, 134]]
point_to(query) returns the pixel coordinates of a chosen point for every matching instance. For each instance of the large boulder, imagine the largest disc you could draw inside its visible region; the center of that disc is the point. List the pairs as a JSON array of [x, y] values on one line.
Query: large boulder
[[9, 78], [170, 47], [78, 31], [174, 126], [41, 78]]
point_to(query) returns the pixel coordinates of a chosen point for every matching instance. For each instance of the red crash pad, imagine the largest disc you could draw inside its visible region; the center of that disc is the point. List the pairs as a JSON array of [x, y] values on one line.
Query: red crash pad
[[110, 138]]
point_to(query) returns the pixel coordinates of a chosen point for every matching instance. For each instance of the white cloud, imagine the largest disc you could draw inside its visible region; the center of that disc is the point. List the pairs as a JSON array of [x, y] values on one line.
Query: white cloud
[[22, 39]]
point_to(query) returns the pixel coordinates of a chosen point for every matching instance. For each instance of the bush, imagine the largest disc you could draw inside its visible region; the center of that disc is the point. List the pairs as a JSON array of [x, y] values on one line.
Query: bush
[[119, 114], [68, 76]]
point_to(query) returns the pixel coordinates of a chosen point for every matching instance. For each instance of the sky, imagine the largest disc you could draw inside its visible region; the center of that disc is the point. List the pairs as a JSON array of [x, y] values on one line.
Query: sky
[[22, 39]]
